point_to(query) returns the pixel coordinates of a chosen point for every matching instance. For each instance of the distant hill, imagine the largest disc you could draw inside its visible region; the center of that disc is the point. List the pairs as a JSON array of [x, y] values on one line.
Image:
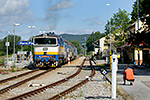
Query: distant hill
[[80, 38]]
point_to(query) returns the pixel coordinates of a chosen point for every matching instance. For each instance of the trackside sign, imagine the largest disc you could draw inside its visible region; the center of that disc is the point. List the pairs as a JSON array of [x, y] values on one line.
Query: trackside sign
[[25, 43]]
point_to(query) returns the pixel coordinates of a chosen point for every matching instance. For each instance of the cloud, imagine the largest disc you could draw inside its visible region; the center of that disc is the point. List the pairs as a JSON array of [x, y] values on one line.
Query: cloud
[[96, 23], [93, 21], [92, 18], [78, 31], [53, 11], [14, 11], [12, 7], [62, 5], [47, 28]]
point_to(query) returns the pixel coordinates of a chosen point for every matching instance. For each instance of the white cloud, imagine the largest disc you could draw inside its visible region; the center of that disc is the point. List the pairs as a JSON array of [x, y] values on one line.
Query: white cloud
[[96, 23], [93, 21], [99, 23], [14, 11], [11, 7], [47, 28], [63, 5], [92, 18], [79, 31]]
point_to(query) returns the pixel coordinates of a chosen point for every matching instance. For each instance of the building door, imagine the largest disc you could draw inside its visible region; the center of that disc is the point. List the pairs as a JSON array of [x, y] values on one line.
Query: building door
[[145, 56]]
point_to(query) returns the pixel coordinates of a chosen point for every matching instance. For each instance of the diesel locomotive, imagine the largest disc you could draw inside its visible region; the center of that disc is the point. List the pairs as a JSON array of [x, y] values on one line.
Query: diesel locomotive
[[51, 50]]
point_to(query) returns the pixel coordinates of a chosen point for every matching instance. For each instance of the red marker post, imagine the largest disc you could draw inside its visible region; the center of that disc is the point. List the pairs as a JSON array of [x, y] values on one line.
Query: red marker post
[[69, 59]]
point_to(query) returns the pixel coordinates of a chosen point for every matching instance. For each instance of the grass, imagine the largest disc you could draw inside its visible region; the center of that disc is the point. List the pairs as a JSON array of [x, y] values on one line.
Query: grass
[[13, 68], [101, 64], [2, 59], [60, 95], [4, 71], [119, 93], [69, 96], [81, 93]]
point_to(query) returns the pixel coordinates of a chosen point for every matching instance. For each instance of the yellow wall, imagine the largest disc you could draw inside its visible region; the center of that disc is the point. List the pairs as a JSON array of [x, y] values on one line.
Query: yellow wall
[[136, 56]]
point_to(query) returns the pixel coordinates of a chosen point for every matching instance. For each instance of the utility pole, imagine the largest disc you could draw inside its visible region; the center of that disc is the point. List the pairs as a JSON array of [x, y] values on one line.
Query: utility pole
[[138, 30], [17, 24], [7, 44]]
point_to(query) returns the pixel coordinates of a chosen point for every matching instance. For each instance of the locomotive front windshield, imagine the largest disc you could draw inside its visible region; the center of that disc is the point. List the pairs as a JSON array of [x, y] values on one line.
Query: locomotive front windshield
[[43, 41]]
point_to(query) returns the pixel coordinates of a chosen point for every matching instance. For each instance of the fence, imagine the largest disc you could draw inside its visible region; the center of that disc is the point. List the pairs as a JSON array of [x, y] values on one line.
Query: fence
[[21, 61]]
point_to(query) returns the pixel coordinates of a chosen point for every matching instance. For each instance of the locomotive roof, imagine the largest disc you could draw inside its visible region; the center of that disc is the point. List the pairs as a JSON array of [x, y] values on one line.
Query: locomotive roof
[[48, 34], [55, 35]]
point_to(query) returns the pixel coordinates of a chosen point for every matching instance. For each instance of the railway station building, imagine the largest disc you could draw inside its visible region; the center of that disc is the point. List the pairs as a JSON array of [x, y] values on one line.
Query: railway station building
[[130, 52], [133, 51]]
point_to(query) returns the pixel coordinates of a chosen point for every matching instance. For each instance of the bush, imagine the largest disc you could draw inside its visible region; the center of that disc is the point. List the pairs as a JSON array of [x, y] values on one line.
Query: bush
[[2, 53], [2, 59]]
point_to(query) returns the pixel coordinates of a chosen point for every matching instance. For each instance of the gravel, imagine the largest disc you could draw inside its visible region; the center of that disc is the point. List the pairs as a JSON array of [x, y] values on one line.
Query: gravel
[[97, 88]]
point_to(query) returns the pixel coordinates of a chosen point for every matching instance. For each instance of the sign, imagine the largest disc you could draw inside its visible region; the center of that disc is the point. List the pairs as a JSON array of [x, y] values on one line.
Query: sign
[[22, 52], [25, 43], [7, 44], [104, 72]]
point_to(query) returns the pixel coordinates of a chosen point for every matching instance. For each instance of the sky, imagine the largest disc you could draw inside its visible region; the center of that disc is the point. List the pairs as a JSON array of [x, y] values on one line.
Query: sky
[[59, 16]]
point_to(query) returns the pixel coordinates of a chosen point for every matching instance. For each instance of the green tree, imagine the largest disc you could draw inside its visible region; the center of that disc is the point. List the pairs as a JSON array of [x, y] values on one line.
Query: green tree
[[11, 43], [2, 47], [143, 9], [119, 23], [92, 38], [77, 45], [28, 48]]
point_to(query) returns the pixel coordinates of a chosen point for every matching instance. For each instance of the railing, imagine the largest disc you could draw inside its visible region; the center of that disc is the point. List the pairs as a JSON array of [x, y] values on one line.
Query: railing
[[20, 61]]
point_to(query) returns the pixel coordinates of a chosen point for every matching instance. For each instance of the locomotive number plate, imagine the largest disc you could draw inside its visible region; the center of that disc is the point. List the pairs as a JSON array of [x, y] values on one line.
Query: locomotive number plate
[[45, 49]]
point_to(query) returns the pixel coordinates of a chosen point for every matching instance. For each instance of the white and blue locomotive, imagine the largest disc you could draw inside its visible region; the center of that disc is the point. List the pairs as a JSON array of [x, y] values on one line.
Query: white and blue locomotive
[[51, 50]]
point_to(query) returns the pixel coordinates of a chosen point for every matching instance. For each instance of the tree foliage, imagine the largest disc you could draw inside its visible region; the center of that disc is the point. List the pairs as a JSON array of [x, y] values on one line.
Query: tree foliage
[[11, 44], [92, 38], [77, 45], [119, 23], [143, 9]]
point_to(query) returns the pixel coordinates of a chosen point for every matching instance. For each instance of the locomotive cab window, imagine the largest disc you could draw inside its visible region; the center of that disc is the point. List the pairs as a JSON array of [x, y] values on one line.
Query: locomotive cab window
[[43, 41]]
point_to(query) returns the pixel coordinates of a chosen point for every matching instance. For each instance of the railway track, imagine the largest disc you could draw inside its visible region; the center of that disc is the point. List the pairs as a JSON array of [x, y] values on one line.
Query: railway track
[[59, 95], [6, 89], [42, 89], [17, 76]]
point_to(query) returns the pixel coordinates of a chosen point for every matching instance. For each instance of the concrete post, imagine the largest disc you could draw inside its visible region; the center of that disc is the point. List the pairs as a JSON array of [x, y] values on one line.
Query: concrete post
[[106, 60], [114, 70]]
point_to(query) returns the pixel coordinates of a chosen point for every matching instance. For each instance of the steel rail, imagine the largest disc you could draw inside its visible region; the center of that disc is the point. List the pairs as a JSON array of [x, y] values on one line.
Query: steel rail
[[17, 76], [36, 91], [75, 86], [22, 82]]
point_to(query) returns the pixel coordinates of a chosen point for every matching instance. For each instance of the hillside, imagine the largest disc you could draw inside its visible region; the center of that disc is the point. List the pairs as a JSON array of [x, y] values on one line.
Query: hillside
[[80, 38]]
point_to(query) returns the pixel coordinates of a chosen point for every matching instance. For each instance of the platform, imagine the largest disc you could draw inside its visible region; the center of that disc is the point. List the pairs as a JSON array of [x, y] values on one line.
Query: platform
[[141, 88]]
